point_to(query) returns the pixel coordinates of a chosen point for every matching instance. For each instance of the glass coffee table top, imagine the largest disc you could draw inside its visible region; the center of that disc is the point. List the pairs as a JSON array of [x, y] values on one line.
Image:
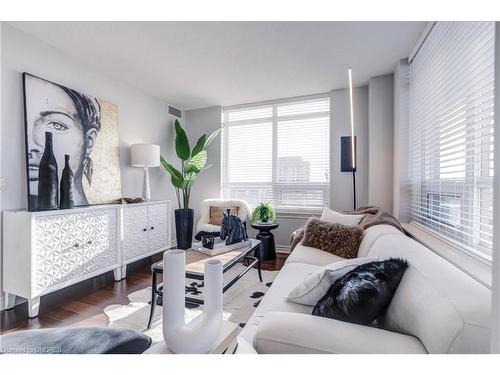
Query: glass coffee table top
[[195, 261]]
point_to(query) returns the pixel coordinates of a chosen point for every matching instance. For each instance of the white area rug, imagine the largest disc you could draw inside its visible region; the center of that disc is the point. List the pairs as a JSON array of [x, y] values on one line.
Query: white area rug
[[240, 302]]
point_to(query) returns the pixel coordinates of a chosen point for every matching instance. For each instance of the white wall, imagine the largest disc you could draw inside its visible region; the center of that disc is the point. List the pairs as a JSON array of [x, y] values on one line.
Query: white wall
[[141, 117], [341, 194], [401, 196], [380, 140], [1, 174], [198, 122]]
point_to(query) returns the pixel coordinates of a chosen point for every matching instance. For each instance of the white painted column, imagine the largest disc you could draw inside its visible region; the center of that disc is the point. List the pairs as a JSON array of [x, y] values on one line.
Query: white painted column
[[381, 141], [401, 191], [1, 176], [495, 310]]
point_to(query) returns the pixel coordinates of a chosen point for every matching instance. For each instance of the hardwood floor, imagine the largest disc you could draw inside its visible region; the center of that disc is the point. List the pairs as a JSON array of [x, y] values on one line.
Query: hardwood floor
[[83, 304]]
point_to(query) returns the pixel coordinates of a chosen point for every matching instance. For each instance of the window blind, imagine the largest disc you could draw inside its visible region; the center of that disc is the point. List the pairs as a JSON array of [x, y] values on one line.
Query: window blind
[[451, 133], [278, 152]]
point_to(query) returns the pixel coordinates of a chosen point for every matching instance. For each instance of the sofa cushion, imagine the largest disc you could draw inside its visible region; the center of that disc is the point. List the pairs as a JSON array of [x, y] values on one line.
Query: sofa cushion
[[310, 255], [435, 301], [338, 239], [371, 234], [275, 298], [315, 285], [338, 218], [292, 333]]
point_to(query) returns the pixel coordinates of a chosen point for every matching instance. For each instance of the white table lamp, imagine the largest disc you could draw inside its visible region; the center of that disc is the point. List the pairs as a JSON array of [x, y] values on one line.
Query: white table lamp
[[145, 156]]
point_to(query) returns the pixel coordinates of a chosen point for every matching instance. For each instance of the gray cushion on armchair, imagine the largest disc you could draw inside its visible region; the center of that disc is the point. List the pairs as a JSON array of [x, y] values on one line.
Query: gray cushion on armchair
[[88, 340]]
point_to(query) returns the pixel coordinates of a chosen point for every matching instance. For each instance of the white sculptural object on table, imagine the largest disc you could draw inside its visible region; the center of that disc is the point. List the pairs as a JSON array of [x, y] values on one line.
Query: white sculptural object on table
[[201, 333]]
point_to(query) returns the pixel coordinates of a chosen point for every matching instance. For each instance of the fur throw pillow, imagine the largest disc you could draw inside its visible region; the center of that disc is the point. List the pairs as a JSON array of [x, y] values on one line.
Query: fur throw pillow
[[363, 294], [338, 239]]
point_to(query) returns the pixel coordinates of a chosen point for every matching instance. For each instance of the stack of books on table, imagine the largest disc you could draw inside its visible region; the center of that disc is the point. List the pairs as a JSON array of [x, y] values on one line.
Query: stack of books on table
[[220, 247]]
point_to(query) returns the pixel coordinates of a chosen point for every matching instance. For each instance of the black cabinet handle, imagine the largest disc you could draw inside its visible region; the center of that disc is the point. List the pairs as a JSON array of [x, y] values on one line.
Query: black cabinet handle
[[144, 230], [76, 245], [89, 242], [152, 227]]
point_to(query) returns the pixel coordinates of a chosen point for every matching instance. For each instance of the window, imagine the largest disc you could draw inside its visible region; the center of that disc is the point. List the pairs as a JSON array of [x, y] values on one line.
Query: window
[[279, 153], [451, 133]]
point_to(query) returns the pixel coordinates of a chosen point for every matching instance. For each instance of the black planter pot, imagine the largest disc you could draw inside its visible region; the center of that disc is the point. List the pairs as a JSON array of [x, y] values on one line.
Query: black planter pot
[[184, 228]]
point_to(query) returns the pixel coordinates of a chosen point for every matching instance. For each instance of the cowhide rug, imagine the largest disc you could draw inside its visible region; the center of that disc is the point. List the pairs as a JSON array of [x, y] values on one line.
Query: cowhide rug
[[240, 301]]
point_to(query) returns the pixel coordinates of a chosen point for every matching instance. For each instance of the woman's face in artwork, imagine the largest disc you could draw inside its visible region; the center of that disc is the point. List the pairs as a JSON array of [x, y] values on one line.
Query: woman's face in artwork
[[50, 109]]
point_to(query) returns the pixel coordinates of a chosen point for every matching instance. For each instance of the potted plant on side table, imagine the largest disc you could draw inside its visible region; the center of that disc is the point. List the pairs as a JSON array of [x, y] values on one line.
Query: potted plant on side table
[[264, 220], [193, 162], [264, 213]]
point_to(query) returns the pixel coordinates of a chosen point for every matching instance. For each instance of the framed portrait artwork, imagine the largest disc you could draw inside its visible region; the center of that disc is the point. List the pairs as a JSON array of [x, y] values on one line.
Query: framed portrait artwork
[[80, 126]]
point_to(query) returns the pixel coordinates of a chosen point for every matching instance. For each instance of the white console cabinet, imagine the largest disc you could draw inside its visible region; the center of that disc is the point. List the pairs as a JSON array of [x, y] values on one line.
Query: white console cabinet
[[143, 231], [49, 250]]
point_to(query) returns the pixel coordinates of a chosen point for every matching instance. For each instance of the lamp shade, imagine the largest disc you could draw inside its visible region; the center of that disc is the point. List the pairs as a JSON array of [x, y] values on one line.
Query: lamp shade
[[145, 155]]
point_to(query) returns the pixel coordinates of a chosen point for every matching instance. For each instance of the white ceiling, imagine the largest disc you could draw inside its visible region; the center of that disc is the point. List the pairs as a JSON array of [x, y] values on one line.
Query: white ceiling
[[200, 64]]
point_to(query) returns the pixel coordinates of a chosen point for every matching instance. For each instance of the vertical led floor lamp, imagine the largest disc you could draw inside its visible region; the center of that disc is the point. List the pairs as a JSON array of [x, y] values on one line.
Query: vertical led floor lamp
[[348, 146]]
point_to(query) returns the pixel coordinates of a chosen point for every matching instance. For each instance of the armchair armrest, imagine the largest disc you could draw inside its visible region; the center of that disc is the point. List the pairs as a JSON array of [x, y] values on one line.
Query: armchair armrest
[[294, 333]]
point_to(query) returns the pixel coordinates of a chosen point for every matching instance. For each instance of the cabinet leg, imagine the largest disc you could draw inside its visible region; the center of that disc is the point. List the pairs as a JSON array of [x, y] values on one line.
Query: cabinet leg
[[10, 300], [124, 271], [33, 307], [117, 273]]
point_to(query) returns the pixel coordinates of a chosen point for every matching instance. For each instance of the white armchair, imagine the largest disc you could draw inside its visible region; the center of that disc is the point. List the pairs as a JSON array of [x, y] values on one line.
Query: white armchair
[[204, 220]]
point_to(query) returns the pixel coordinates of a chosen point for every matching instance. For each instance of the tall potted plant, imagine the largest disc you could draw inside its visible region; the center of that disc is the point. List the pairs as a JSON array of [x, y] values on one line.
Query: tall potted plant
[[193, 162]]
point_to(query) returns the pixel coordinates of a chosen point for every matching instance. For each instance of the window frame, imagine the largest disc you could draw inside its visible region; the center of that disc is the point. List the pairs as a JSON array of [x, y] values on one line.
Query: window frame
[[274, 119]]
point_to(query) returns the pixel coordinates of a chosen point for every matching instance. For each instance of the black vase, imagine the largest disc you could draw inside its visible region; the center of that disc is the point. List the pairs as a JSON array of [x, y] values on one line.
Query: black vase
[[48, 191], [184, 228], [66, 187]]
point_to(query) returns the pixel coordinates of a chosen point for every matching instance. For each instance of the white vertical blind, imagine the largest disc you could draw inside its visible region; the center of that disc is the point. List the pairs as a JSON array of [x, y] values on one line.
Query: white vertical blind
[[451, 133], [278, 152]]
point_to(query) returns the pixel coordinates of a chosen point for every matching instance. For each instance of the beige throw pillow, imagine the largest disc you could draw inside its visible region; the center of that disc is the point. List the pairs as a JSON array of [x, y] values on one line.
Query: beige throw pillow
[[316, 284], [338, 239], [338, 218], [217, 213]]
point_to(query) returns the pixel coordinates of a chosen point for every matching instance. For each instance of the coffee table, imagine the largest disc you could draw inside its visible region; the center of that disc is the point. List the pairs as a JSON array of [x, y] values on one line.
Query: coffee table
[[195, 262], [226, 343]]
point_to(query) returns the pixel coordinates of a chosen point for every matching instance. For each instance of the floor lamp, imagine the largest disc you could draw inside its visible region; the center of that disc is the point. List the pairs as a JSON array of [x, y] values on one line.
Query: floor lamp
[[348, 146]]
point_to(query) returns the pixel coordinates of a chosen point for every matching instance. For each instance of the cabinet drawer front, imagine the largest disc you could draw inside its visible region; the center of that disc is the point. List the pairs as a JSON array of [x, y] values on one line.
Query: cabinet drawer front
[[158, 226], [72, 245], [99, 242], [57, 256], [135, 236]]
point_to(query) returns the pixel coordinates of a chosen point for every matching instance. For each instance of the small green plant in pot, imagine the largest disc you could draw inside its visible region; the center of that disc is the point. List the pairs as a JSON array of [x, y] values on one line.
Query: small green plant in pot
[[264, 212], [193, 162]]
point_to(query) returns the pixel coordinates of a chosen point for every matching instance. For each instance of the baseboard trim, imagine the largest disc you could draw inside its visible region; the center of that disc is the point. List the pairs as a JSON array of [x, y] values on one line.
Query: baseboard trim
[[283, 249]]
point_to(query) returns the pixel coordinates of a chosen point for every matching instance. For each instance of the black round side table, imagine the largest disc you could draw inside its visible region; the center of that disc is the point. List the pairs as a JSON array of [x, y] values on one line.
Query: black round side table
[[267, 246]]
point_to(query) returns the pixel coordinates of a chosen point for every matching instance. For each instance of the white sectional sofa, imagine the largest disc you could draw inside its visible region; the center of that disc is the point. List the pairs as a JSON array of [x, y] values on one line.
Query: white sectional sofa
[[436, 309]]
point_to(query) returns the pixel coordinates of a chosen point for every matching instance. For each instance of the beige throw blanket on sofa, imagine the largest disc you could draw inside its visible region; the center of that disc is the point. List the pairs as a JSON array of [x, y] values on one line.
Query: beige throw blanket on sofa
[[373, 216]]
